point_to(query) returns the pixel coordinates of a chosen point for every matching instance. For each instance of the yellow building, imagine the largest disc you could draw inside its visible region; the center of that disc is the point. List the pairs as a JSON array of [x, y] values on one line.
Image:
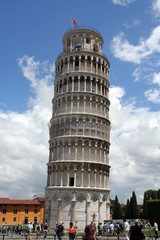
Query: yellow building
[[13, 211]]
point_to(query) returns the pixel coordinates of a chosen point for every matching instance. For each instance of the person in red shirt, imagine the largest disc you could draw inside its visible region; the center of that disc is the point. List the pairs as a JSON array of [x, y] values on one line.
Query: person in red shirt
[[71, 231]]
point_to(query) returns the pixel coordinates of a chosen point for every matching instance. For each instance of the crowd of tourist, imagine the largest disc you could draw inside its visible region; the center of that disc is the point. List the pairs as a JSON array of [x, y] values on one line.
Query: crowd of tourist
[[130, 231]]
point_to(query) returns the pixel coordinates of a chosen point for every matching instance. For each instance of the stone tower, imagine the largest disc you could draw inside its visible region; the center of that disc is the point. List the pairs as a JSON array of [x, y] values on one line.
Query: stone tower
[[78, 168]]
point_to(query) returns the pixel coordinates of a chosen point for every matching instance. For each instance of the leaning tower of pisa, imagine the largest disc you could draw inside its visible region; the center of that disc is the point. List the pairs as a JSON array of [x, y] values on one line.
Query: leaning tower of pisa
[[78, 168]]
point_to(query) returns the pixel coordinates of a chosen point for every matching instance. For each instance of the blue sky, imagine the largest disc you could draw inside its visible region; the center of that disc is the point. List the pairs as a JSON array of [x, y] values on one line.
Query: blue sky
[[31, 39]]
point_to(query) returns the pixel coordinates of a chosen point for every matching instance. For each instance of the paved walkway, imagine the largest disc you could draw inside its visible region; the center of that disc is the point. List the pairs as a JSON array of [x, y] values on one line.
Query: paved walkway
[[18, 237]]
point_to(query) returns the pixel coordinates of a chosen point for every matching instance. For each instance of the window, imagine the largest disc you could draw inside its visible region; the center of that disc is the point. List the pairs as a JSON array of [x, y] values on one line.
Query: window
[[71, 182], [26, 220], [14, 219], [87, 40], [15, 211], [35, 220], [3, 219], [26, 211], [35, 211], [4, 211]]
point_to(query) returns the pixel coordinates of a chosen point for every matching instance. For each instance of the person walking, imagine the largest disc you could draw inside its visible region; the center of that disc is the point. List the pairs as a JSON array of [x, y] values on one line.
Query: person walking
[[71, 231], [60, 231], [100, 229], [111, 227], [38, 231], [126, 229], [29, 230], [76, 229], [45, 229], [156, 229]]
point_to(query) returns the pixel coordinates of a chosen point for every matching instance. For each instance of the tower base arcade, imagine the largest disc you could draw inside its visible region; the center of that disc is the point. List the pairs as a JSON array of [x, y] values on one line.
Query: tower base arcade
[[83, 205]]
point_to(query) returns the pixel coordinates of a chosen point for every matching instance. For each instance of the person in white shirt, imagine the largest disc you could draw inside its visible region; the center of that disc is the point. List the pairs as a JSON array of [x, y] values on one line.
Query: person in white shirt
[[111, 227], [126, 229], [156, 229]]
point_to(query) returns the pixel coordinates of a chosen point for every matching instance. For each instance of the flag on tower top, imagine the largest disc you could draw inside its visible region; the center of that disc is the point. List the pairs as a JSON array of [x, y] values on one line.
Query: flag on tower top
[[74, 23]]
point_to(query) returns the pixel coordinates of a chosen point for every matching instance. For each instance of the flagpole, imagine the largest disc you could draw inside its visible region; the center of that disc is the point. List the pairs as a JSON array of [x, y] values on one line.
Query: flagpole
[[71, 23]]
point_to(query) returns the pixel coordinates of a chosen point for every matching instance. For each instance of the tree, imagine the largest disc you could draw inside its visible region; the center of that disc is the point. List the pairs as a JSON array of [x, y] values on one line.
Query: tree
[[158, 194], [117, 211], [149, 195], [128, 211], [153, 210], [133, 205]]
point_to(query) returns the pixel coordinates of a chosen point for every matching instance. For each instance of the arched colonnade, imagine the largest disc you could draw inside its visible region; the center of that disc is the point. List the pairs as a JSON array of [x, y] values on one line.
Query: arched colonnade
[[78, 103], [78, 175], [80, 125], [83, 63], [74, 149], [82, 83]]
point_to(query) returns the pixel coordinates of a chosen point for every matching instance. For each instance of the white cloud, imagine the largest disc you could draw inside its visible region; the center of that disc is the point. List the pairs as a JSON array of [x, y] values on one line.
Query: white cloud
[[153, 95], [134, 153], [156, 8], [122, 2], [137, 74], [24, 145], [156, 78], [132, 24], [125, 51]]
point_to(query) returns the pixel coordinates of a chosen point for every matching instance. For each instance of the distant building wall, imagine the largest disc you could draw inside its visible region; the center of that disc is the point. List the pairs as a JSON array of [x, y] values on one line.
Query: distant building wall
[[14, 211]]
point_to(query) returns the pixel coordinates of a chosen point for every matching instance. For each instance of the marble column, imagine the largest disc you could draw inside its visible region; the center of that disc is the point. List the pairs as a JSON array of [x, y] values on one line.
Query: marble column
[[100, 211], [56, 176], [76, 146], [73, 64], [82, 171], [79, 63], [88, 212], [59, 210], [61, 176], [68, 171], [73, 210], [75, 177], [83, 151], [107, 210], [72, 84], [100, 179], [89, 177], [95, 177], [79, 84]]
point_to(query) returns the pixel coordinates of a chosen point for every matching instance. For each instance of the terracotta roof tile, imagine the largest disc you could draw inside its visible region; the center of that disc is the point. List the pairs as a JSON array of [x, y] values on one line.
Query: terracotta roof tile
[[40, 199], [19, 201]]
